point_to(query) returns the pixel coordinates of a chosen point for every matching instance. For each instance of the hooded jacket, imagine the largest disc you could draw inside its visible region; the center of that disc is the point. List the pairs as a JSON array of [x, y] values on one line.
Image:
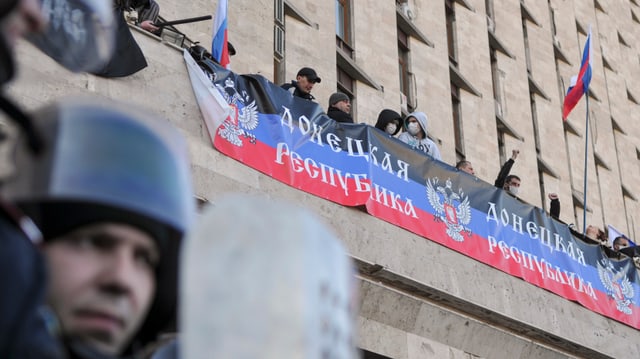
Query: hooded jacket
[[425, 144], [387, 116]]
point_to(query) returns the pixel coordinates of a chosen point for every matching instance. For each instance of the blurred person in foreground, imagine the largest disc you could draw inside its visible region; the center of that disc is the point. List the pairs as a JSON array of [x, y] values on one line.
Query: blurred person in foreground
[[23, 327], [111, 193]]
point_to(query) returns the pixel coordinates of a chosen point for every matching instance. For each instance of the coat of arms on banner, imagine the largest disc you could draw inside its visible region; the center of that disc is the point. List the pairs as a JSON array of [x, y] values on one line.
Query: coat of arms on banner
[[617, 284], [244, 118], [455, 216]]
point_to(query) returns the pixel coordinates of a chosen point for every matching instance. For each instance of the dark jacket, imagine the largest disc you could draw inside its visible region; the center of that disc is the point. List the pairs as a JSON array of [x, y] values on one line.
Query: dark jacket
[[338, 115], [385, 117], [504, 172], [554, 208], [23, 328], [293, 88]]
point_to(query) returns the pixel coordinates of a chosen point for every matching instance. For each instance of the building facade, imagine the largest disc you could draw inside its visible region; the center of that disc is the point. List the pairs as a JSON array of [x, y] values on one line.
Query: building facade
[[491, 76]]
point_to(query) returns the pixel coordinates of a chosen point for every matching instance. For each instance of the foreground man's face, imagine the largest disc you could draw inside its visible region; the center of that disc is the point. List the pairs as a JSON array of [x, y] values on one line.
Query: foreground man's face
[[102, 282]]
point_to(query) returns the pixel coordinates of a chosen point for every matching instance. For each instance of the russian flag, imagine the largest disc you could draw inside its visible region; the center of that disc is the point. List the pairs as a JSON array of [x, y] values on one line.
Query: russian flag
[[580, 83], [219, 48]]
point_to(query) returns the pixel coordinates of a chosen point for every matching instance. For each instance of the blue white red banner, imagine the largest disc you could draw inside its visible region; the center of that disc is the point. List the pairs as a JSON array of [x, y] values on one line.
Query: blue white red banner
[[293, 141]]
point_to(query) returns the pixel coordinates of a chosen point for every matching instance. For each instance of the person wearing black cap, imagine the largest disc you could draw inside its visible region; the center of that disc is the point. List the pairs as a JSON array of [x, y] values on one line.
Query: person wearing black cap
[[389, 122], [340, 108], [303, 84], [112, 196]]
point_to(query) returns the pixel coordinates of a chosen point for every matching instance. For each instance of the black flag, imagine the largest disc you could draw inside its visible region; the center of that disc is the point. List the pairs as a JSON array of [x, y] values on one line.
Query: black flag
[[80, 33], [127, 58]]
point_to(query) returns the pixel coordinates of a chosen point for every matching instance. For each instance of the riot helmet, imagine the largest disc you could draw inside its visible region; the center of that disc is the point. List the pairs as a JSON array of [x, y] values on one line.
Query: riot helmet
[[104, 162]]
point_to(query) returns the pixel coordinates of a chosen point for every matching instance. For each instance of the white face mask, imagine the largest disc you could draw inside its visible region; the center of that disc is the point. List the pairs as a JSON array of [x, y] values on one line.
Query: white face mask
[[413, 128], [513, 190], [391, 128]]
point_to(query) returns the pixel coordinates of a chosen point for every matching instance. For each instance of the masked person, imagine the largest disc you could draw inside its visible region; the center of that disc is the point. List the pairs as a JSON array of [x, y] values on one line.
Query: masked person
[[389, 122], [112, 196], [416, 135], [512, 185], [503, 175]]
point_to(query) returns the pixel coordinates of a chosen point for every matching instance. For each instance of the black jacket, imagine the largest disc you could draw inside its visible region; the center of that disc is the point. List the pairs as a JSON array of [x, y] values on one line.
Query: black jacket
[[293, 88], [504, 172], [387, 116], [23, 328], [338, 115], [554, 208]]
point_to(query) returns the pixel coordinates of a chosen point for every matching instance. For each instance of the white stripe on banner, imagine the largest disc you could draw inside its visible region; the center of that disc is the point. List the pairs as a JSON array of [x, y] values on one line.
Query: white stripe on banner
[[213, 106]]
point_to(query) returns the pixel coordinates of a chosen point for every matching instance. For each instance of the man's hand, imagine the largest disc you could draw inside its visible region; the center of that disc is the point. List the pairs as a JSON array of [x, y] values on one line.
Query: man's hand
[[514, 154], [149, 26], [553, 196]]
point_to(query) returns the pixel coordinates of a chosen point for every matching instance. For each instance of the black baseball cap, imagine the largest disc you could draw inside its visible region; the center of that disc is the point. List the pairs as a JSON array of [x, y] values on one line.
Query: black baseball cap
[[310, 74]]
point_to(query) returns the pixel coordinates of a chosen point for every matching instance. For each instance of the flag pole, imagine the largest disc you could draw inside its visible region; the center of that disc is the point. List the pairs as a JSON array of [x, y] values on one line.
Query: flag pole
[[586, 157]]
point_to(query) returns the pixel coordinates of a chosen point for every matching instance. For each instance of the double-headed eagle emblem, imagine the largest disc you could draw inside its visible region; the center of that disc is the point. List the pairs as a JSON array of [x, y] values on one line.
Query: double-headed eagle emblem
[[617, 284], [451, 208], [244, 118]]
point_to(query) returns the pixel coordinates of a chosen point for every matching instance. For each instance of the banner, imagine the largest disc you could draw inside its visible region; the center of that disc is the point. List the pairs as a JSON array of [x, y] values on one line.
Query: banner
[[293, 141]]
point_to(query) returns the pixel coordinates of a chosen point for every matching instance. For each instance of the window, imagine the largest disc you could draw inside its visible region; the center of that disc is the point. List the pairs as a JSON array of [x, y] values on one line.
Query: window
[[488, 6], [343, 29], [501, 145], [343, 16], [279, 42], [347, 85], [407, 96], [527, 54], [457, 122], [451, 35]]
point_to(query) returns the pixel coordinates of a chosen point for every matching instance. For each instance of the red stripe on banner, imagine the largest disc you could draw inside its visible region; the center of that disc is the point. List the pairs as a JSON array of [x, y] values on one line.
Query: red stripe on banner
[[306, 177]]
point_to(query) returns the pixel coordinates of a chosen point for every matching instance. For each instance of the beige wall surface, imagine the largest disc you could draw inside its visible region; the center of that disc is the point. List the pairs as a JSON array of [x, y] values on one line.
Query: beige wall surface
[[424, 300]]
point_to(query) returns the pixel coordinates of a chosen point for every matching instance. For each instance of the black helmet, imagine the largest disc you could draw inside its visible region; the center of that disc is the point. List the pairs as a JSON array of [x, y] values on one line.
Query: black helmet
[[103, 162]]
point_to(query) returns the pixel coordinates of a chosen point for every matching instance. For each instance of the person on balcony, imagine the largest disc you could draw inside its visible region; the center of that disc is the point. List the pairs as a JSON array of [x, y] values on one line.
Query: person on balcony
[[415, 136], [340, 108], [389, 122], [148, 12], [466, 166], [303, 84]]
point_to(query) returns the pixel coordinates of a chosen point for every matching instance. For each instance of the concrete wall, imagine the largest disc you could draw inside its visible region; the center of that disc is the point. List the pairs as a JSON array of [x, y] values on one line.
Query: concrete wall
[[420, 299]]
